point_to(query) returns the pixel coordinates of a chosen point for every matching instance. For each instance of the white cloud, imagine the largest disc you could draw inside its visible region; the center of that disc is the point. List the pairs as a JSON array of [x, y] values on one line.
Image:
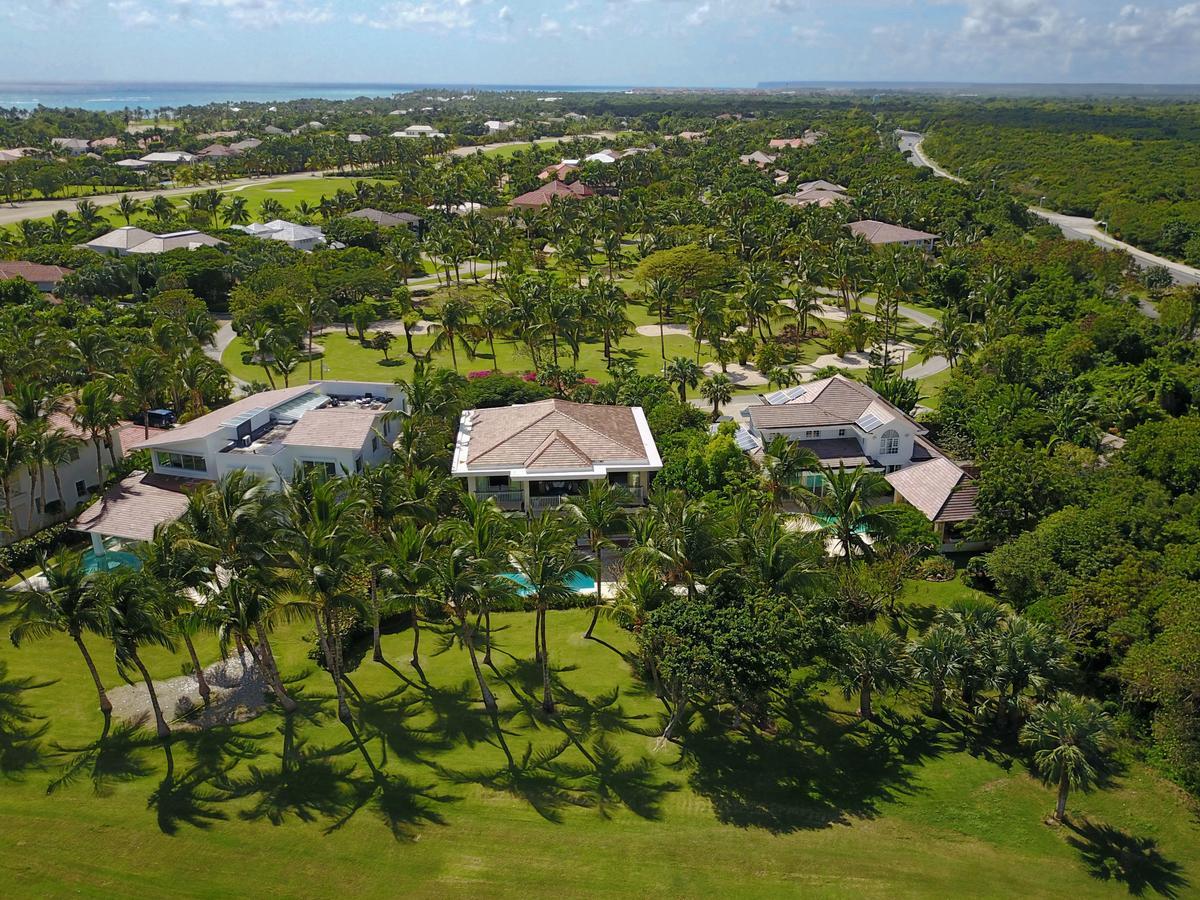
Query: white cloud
[[447, 15], [242, 13]]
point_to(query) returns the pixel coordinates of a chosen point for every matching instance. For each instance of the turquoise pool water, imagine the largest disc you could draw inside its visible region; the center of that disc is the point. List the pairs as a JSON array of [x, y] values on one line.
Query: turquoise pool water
[[113, 559], [576, 581]]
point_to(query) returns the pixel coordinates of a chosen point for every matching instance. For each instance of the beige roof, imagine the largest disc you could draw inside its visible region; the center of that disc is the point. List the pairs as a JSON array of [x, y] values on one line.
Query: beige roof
[[820, 185], [815, 197], [123, 238], [886, 233], [133, 507], [938, 488], [209, 424], [836, 400], [335, 428], [551, 434], [178, 240]]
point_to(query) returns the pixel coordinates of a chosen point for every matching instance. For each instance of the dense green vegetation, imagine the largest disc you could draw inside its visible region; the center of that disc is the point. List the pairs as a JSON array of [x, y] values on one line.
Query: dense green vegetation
[[768, 698], [1132, 165]]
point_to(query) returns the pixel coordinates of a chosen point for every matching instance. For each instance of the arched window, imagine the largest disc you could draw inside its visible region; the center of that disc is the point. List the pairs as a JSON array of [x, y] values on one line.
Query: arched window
[[889, 443]]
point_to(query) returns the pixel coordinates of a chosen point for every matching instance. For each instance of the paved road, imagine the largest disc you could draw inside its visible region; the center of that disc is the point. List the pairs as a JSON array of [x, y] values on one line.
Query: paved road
[[1075, 228]]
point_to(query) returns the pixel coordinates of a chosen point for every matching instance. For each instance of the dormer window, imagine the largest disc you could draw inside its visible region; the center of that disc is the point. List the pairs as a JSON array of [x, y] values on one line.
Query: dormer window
[[889, 443]]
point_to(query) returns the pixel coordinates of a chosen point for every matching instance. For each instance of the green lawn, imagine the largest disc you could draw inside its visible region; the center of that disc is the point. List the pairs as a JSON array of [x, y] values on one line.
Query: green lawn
[[510, 151], [824, 806]]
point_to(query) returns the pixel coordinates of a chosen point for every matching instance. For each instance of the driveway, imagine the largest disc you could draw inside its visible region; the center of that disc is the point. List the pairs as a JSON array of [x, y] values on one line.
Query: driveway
[[1074, 228]]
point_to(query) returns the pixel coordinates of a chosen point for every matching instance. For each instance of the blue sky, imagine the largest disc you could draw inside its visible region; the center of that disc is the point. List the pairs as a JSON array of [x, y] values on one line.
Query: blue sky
[[642, 42]]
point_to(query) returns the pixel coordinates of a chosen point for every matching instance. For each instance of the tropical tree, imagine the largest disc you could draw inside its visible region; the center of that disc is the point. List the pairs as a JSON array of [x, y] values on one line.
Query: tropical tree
[[717, 390], [784, 463], [937, 659], [846, 504], [869, 662], [952, 338], [599, 510], [131, 604], [97, 413], [453, 577], [66, 605], [1069, 737], [143, 383], [683, 373], [128, 207]]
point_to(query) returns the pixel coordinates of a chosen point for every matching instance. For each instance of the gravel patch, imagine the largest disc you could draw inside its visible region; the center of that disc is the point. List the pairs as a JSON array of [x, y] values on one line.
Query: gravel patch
[[238, 695]]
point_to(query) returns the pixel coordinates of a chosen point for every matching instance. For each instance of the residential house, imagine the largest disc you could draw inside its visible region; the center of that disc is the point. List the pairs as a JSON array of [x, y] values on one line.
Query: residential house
[[331, 426], [559, 170], [815, 197], [105, 143], [946, 493], [73, 146], [44, 278], [542, 196], [884, 233], [495, 126], [274, 130], [358, 138], [131, 239], [136, 164], [820, 185], [758, 158], [169, 157], [298, 237], [15, 153], [246, 145], [845, 423], [416, 131], [218, 151], [76, 478], [388, 219], [530, 457]]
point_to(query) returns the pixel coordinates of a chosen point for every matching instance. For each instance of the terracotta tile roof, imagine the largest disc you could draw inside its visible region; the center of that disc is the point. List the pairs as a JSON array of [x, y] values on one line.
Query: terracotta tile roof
[[133, 507], [59, 420], [132, 435], [886, 233], [938, 488], [209, 424], [554, 432], [35, 273], [335, 428], [543, 195]]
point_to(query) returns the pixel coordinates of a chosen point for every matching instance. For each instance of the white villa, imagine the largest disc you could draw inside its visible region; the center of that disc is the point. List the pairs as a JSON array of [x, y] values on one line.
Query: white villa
[[335, 426], [76, 476], [298, 237], [845, 423], [531, 456], [416, 131]]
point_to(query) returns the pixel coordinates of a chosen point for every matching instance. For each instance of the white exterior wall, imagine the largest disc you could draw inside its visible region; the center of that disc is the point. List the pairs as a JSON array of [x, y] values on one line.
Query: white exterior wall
[[81, 469], [870, 442]]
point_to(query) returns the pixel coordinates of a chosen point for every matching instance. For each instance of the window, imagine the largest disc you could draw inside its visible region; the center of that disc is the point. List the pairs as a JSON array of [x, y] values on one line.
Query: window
[[497, 481], [185, 461], [889, 443], [54, 507], [328, 469], [374, 442], [812, 433], [891, 469], [81, 488], [841, 432]]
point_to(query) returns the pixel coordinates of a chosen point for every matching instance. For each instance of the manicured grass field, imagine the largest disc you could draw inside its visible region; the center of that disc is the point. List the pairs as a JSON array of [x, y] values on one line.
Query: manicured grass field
[[292, 191], [510, 151], [823, 806]]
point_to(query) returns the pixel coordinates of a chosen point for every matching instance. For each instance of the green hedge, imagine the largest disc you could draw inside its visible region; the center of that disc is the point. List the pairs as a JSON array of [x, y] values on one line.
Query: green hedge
[[27, 551]]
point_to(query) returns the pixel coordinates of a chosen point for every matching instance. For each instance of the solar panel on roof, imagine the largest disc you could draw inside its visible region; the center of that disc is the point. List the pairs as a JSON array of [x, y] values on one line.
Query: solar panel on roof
[[745, 440], [787, 395], [868, 421]]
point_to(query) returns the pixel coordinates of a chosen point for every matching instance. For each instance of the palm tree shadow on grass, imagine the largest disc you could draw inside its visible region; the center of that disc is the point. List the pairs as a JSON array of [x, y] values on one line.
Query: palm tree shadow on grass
[[21, 730], [388, 718], [1136, 862], [119, 755], [609, 782], [818, 770], [530, 779], [398, 802]]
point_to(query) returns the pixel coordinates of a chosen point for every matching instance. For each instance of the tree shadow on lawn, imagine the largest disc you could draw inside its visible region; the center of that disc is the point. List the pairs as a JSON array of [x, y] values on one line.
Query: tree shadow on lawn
[[21, 730], [389, 718], [1136, 862], [120, 754], [820, 769]]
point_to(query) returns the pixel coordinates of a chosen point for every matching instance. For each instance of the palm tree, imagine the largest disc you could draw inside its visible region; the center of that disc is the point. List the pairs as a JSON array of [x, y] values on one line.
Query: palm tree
[[143, 383], [322, 536], [96, 413], [454, 326], [452, 576], [683, 373], [546, 556], [236, 212], [846, 504], [952, 338], [162, 210], [937, 658], [262, 341], [870, 661], [66, 606], [680, 537], [717, 390], [134, 620], [599, 511], [1068, 736], [13, 461], [784, 463], [128, 207], [402, 580]]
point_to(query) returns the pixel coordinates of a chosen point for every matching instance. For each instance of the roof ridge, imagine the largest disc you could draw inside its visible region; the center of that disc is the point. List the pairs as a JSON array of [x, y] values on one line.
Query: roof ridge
[[508, 437], [556, 437], [595, 431]]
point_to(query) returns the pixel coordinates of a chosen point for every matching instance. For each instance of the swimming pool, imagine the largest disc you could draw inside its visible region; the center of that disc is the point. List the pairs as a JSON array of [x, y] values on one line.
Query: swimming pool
[[113, 559], [576, 581]]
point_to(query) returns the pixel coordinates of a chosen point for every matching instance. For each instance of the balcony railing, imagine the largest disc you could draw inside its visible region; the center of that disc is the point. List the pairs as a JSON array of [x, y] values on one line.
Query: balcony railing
[[505, 497]]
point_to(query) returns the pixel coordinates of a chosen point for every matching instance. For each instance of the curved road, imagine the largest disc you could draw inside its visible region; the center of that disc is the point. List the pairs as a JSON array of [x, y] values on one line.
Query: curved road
[[1074, 228]]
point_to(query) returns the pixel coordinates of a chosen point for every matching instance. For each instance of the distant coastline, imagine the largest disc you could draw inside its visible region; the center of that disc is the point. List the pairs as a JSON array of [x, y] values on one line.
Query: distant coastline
[[118, 95]]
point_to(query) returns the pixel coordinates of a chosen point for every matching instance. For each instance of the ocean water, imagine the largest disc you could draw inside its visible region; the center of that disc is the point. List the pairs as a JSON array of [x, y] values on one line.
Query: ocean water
[[103, 95]]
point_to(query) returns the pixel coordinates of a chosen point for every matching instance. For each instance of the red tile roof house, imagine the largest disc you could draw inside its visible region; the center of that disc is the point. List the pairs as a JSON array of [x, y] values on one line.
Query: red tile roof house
[[531, 456], [44, 278], [881, 233], [542, 196]]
